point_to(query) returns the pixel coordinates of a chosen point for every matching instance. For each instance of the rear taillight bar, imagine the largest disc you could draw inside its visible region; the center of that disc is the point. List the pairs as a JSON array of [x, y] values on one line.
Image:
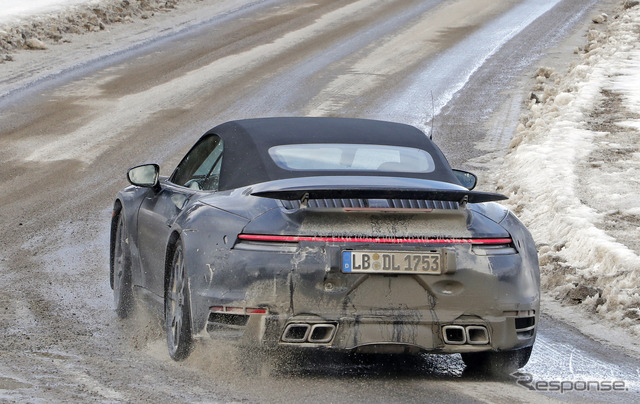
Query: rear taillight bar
[[389, 240], [237, 310]]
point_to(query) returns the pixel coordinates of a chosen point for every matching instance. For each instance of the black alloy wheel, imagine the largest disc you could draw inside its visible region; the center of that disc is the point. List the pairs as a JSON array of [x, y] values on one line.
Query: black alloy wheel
[[121, 272], [177, 308]]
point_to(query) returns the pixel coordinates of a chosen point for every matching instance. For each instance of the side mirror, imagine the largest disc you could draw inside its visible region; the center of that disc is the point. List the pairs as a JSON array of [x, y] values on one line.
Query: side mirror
[[144, 176], [467, 179]]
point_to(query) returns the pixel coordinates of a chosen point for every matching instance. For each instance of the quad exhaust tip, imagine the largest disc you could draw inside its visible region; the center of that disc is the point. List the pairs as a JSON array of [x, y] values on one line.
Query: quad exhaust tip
[[454, 334], [470, 334], [313, 333], [296, 333], [477, 335], [321, 333]]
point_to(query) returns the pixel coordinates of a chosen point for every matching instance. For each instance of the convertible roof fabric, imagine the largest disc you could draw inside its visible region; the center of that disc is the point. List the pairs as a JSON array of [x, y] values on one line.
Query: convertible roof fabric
[[246, 160]]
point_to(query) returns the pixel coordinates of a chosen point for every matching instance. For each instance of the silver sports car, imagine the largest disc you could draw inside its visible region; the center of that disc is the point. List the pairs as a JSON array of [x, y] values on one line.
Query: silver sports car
[[326, 233]]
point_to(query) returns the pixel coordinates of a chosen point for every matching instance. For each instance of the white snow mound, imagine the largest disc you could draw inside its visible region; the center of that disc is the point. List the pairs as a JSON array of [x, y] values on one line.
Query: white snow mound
[[573, 175]]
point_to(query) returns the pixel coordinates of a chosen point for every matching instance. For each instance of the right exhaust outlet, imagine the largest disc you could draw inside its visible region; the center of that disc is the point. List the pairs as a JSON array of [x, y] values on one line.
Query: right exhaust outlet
[[322, 333], [477, 335], [454, 334], [297, 332]]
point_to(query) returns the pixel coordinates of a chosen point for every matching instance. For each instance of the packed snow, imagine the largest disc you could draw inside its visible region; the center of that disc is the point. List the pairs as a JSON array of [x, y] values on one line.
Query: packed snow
[[17, 9], [38, 23], [572, 173]]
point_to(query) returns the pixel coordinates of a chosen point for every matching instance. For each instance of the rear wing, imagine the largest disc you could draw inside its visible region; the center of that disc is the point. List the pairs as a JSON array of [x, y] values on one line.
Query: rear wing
[[369, 187]]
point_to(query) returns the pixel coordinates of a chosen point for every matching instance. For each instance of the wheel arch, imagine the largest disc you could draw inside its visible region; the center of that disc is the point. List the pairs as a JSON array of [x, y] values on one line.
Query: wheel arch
[[115, 216], [174, 238]]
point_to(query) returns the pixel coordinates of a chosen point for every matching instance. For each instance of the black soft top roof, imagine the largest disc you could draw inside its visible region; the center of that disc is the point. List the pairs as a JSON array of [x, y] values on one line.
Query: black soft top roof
[[246, 159]]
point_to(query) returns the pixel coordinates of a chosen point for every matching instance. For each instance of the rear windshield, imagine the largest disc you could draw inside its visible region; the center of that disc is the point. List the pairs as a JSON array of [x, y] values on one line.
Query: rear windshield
[[351, 157]]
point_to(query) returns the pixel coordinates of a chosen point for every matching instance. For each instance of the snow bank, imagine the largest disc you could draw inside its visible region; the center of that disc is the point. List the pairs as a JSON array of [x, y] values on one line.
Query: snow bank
[[573, 174], [34, 25], [13, 10]]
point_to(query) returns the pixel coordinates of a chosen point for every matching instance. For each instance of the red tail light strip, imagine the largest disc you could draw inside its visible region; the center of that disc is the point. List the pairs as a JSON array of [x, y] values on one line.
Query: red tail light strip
[[237, 310], [390, 240]]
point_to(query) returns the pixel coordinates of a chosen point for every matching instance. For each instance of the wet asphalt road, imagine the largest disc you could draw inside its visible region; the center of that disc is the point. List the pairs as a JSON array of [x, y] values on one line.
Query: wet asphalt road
[[65, 146]]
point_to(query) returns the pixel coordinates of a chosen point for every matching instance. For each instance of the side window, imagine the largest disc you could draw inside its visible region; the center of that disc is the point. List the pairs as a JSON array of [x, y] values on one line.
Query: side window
[[200, 168]]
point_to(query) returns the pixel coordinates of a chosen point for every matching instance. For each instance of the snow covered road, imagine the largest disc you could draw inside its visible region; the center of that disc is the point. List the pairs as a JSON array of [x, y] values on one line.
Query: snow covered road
[[75, 116]]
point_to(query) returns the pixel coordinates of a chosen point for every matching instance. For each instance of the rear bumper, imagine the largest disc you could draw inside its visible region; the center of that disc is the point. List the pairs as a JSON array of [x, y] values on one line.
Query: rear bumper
[[379, 334], [489, 302]]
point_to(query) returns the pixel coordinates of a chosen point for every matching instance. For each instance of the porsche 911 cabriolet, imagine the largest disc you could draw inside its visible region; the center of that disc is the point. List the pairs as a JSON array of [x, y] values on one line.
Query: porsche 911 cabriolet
[[326, 233]]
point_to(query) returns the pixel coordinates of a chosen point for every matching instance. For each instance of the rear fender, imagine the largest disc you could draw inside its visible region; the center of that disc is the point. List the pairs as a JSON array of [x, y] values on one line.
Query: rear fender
[[526, 246], [207, 235]]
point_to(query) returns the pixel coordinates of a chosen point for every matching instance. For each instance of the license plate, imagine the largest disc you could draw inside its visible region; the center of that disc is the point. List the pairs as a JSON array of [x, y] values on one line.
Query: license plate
[[392, 262]]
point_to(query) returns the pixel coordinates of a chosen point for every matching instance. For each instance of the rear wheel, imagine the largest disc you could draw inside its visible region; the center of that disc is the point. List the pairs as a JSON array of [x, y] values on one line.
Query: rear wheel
[[177, 308], [497, 363], [121, 272]]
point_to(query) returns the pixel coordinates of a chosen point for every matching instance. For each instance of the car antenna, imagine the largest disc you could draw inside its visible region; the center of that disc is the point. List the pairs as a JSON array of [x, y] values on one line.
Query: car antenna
[[433, 116]]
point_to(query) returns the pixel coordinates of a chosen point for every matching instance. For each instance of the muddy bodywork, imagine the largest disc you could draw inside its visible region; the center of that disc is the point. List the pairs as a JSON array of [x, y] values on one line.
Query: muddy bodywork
[[269, 269]]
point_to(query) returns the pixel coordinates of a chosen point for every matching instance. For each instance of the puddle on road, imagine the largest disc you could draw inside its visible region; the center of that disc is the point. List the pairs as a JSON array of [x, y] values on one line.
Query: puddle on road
[[228, 361], [559, 355], [566, 363]]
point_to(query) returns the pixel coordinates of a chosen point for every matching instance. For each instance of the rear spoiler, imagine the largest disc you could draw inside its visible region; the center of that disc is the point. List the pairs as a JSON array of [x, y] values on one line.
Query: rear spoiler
[[369, 187]]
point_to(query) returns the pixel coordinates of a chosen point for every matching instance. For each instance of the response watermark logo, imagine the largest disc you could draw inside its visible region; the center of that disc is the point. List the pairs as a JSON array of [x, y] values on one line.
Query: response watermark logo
[[563, 386]]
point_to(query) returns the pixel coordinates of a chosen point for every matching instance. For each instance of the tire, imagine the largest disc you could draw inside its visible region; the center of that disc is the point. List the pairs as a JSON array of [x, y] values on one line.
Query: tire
[[497, 363], [177, 308], [121, 271]]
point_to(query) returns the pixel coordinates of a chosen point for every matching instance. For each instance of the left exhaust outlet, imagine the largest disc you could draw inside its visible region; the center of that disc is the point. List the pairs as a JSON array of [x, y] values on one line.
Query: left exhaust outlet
[[321, 333], [462, 335]]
